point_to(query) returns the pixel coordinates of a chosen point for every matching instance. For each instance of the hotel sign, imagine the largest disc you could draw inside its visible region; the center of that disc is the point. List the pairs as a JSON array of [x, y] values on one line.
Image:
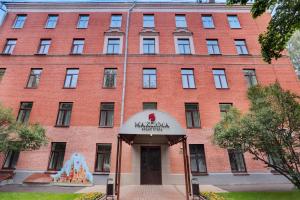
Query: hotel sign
[[152, 124]]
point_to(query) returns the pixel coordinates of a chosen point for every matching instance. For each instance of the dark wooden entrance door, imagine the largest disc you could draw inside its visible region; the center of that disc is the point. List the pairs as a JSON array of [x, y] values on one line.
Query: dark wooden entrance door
[[150, 165]]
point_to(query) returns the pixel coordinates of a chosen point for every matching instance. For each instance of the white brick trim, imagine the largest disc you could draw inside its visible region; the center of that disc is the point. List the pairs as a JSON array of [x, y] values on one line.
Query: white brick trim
[[106, 42], [184, 37], [156, 38]]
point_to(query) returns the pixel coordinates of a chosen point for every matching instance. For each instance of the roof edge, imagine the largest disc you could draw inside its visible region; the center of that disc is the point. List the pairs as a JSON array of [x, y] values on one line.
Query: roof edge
[[124, 5]]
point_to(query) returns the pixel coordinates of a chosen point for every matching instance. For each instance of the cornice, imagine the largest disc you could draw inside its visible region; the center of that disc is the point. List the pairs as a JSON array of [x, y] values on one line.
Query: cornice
[[63, 5], [123, 6]]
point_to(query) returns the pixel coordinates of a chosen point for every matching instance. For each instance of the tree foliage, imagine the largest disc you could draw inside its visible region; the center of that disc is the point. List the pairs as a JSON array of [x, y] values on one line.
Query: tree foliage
[[284, 22], [270, 131], [17, 136]]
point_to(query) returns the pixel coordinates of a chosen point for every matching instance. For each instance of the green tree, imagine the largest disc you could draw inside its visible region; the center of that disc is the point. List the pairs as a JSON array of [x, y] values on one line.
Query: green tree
[[270, 131], [284, 22], [17, 136]]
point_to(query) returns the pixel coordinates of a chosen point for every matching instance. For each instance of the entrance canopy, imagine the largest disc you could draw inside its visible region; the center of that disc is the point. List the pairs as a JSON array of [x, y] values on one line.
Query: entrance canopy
[[152, 123]]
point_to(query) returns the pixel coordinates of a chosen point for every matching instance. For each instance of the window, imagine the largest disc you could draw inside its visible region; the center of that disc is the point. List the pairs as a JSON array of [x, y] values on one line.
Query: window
[[110, 78], [113, 46], [71, 78], [187, 76], [116, 21], [51, 21], [57, 156], [149, 78], [103, 158], [149, 106], [34, 78], [207, 21], [224, 108], [11, 159], [149, 45], [233, 21], [107, 114], [9, 46], [184, 46], [192, 115], [220, 78], [24, 112], [274, 160], [83, 21], [148, 21], [213, 47], [250, 76], [241, 47], [180, 21], [2, 72], [197, 155], [237, 161], [20, 21], [78, 45], [44, 46], [64, 114]]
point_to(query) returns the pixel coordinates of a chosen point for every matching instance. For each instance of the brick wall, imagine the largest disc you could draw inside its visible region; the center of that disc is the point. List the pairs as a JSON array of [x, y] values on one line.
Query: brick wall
[[84, 133]]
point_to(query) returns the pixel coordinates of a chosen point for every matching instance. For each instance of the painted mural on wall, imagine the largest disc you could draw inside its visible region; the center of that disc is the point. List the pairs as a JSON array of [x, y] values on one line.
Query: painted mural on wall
[[75, 171]]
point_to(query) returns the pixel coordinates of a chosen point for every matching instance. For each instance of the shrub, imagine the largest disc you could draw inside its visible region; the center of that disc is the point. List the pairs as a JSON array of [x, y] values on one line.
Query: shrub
[[90, 196], [212, 196]]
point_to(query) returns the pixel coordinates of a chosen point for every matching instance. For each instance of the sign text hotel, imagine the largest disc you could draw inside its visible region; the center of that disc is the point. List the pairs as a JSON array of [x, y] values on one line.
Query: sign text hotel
[[151, 126]]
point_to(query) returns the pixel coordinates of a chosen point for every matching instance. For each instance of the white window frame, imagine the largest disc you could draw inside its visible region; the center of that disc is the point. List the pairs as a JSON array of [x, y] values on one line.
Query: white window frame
[[16, 20], [178, 25], [111, 21], [190, 78], [45, 49], [212, 20], [219, 79], [238, 20], [241, 49], [48, 19], [149, 86], [144, 24], [112, 37], [73, 46], [184, 37], [79, 20], [218, 45], [156, 38]]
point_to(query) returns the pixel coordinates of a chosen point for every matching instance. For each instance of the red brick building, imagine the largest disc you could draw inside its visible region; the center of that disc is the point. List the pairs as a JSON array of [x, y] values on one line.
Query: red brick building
[[82, 70]]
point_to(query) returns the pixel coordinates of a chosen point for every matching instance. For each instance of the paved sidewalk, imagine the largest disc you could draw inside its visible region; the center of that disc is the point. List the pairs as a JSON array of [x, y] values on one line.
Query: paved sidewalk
[[161, 192], [150, 192], [136, 188], [282, 187]]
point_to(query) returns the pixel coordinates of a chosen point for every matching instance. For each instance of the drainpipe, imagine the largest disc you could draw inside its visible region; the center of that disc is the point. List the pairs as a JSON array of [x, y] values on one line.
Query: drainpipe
[[119, 148], [125, 61]]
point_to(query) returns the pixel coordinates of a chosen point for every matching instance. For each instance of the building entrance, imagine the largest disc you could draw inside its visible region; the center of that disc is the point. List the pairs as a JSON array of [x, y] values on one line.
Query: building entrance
[[157, 125], [151, 165]]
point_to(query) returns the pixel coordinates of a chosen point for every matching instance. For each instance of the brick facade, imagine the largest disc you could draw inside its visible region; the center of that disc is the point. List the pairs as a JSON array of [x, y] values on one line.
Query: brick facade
[[84, 131]]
